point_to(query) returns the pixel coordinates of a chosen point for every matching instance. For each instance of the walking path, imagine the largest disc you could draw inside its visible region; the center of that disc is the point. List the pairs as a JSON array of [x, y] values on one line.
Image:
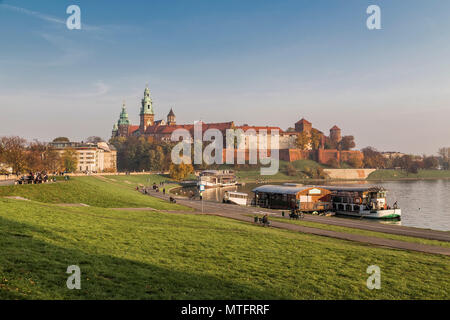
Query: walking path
[[241, 214]]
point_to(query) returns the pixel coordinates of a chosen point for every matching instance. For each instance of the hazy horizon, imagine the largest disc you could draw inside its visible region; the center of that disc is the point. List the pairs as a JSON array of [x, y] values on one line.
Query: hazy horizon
[[256, 62]]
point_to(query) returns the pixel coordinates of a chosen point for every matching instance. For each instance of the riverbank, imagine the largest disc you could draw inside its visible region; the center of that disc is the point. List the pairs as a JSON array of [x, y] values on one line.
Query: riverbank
[[392, 174]]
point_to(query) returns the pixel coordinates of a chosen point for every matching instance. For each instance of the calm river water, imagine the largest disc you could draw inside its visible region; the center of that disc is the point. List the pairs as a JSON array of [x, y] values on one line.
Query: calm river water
[[424, 203]]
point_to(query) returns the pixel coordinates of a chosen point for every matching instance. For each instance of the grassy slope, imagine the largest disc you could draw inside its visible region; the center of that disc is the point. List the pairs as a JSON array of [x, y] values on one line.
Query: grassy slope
[[389, 174], [142, 180], [88, 190], [363, 232], [150, 255]]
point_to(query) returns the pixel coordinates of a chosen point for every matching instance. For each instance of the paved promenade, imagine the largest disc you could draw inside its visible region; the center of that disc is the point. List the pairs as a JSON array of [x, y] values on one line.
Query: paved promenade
[[242, 214]]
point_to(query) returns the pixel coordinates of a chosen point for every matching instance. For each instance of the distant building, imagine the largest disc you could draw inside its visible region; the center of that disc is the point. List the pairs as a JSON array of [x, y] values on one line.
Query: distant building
[[92, 157], [392, 154]]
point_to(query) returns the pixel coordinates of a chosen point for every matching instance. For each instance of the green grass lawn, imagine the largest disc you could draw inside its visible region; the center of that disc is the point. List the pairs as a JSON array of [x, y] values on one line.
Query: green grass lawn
[[152, 255], [88, 190], [142, 180], [390, 174], [157, 255], [361, 231]]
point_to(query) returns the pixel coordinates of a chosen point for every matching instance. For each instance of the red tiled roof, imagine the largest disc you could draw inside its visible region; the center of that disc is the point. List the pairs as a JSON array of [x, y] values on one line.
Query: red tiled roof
[[166, 129], [258, 128], [335, 128], [132, 129], [303, 120]]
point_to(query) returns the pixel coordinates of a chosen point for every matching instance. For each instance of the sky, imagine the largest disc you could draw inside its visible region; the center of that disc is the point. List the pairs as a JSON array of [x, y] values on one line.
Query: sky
[[249, 61]]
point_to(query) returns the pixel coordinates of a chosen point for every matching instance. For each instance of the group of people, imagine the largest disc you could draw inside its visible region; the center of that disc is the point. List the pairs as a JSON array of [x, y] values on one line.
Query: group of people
[[264, 220], [34, 178], [154, 187]]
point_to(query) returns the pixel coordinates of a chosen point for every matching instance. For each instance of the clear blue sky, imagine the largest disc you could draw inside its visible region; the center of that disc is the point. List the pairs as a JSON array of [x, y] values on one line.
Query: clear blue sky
[[257, 62]]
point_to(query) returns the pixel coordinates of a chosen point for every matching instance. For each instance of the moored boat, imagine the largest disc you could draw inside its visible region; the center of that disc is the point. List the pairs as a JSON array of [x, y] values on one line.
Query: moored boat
[[234, 197], [217, 178], [364, 201]]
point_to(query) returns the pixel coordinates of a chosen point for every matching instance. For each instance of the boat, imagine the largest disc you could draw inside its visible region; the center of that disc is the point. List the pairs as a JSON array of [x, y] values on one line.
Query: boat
[[217, 178], [234, 197], [364, 201]]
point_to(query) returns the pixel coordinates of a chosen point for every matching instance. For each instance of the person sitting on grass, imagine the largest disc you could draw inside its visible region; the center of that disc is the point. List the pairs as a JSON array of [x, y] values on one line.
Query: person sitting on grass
[[265, 220]]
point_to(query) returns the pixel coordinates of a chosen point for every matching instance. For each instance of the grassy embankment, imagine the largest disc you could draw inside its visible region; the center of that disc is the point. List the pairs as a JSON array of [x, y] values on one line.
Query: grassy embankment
[[109, 192], [359, 231], [157, 255], [391, 174]]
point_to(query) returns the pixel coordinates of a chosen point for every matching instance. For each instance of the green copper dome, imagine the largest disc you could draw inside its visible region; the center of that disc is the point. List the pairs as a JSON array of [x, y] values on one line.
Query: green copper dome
[[123, 120], [147, 104]]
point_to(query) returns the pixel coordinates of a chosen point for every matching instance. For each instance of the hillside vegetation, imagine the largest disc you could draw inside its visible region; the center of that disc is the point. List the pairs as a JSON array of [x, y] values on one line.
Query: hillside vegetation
[[93, 191]]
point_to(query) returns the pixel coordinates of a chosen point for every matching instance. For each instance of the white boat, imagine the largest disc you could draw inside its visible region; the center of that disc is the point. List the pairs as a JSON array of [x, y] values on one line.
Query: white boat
[[217, 178], [239, 198], [365, 201]]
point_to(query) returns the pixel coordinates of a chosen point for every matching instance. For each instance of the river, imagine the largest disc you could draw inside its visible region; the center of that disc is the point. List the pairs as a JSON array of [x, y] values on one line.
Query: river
[[424, 203]]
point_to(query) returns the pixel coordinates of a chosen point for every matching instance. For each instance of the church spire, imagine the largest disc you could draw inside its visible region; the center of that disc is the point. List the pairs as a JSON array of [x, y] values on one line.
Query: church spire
[[123, 119], [147, 103]]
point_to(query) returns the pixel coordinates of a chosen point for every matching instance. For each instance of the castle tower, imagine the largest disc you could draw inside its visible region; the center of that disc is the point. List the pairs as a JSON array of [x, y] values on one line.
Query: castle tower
[[123, 122], [147, 115], [171, 118], [115, 130], [303, 126], [335, 134]]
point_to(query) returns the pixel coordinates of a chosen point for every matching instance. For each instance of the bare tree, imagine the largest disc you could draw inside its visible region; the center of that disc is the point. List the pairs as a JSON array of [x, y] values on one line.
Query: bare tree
[[13, 153]]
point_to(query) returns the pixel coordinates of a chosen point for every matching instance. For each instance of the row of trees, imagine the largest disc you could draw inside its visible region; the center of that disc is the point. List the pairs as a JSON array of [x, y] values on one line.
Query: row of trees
[[313, 140], [144, 154], [374, 159], [22, 156]]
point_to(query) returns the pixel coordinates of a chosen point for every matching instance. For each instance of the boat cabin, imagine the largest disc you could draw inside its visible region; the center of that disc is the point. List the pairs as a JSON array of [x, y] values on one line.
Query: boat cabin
[[305, 198], [358, 198], [235, 197], [217, 178]]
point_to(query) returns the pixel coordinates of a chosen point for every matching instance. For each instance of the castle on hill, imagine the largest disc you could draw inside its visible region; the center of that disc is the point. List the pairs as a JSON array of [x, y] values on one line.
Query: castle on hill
[[317, 149]]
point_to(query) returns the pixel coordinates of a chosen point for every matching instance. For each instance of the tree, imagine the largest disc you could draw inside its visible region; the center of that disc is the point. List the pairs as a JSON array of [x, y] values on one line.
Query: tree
[[330, 144], [180, 171], [431, 162], [13, 153], [69, 160], [94, 139], [303, 140], [373, 158], [52, 160], [61, 139], [35, 156], [444, 154], [347, 143], [355, 162], [290, 170], [316, 139], [333, 163]]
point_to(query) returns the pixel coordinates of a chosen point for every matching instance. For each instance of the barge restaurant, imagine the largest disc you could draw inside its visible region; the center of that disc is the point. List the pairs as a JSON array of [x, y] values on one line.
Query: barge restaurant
[[305, 198]]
